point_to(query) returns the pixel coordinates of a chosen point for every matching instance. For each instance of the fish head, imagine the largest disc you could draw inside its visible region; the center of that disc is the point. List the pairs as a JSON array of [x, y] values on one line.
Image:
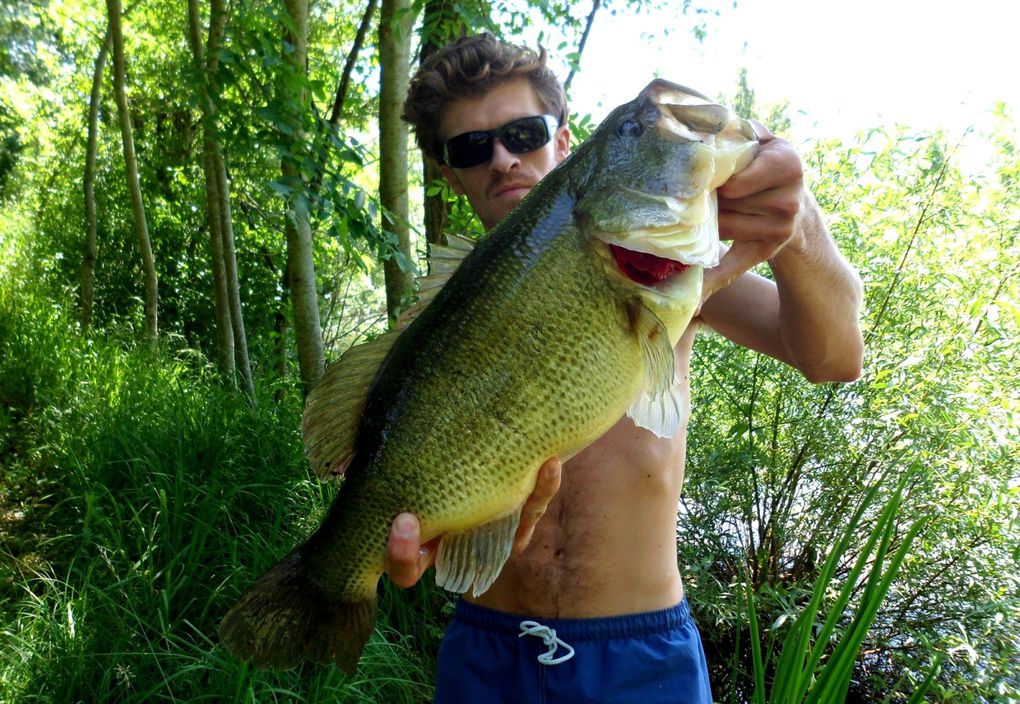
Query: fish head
[[654, 163]]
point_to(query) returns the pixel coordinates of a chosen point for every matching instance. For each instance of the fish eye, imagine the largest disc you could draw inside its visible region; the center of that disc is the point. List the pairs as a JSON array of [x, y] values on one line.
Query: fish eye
[[630, 128]]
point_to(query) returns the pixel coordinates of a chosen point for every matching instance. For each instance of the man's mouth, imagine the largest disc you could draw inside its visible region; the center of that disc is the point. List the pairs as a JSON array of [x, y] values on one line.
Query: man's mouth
[[511, 189], [645, 269]]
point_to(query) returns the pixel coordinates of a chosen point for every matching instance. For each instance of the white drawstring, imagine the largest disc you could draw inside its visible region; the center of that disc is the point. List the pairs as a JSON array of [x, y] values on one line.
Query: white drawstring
[[548, 636]]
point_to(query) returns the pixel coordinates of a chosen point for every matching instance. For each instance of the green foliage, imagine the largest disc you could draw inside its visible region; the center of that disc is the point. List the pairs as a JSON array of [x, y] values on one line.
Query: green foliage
[[139, 500], [776, 464], [744, 103], [800, 673]]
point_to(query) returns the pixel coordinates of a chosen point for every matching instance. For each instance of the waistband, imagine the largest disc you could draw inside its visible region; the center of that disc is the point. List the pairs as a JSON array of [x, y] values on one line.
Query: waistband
[[573, 629]]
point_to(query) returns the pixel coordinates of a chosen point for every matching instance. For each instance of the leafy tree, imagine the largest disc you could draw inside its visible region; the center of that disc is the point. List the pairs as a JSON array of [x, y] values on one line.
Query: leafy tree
[[114, 11], [229, 318], [775, 463], [88, 263], [394, 51]]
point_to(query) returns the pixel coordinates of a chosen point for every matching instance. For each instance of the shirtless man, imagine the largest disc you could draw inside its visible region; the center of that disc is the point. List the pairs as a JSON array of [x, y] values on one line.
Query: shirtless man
[[594, 573]]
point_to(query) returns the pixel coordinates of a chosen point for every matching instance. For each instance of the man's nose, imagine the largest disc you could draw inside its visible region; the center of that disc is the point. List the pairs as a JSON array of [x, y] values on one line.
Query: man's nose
[[502, 158]]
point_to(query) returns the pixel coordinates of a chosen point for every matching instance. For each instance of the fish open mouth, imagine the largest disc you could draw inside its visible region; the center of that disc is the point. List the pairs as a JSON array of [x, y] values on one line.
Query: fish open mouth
[[643, 268]]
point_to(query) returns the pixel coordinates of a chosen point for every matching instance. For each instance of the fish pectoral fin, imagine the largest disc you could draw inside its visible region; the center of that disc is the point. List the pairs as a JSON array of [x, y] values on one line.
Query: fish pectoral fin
[[332, 413], [656, 348], [474, 558], [661, 415], [659, 406]]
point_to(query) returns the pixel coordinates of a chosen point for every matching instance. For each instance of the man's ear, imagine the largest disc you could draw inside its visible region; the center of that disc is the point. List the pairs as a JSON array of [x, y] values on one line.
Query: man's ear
[[451, 178], [562, 144]]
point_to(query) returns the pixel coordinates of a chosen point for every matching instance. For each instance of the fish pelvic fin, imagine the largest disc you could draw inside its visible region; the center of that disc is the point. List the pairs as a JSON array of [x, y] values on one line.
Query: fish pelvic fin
[[662, 415], [659, 407], [284, 619], [474, 558]]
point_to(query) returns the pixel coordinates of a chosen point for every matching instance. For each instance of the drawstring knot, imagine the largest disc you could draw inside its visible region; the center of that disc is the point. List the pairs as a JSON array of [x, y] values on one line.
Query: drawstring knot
[[548, 636]]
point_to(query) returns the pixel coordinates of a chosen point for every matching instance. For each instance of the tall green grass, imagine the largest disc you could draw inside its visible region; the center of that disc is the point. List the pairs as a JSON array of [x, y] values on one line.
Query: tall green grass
[[815, 660], [139, 499]]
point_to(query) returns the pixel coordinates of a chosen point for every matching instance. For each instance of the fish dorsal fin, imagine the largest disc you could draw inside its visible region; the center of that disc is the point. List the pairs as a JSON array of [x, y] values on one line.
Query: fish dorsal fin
[[443, 261], [332, 414], [659, 406], [473, 559], [333, 410]]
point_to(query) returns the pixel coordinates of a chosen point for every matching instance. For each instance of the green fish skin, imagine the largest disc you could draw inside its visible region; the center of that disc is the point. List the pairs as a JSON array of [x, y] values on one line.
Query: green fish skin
[[535, 346]]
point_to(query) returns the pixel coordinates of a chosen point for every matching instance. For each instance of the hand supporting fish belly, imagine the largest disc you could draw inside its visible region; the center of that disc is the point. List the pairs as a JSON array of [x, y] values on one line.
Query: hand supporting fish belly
[[530, 345]]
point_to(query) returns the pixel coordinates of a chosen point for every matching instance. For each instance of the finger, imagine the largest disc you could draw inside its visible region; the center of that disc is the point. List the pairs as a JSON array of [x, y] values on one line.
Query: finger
[[546, 486], [768, 217], [404, 551], [741, 256], [764, 133], [776, 164]]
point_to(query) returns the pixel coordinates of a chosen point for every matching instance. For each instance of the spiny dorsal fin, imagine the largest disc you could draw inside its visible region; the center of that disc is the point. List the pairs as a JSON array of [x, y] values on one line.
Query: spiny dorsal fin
[[473, 559], [443, 261], [332, 413], [333, 410], [659, 406]]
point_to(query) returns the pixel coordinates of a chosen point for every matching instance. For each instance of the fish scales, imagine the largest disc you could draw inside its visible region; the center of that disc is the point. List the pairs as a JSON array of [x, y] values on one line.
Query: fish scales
[[535, 347], [512, 416]]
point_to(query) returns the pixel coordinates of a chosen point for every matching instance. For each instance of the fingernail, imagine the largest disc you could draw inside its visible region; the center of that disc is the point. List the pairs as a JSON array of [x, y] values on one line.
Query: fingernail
[[404, 526]]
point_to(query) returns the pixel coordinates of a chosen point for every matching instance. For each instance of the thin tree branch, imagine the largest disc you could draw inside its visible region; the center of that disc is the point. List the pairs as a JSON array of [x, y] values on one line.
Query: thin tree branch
[[596, 4], [352, 57]]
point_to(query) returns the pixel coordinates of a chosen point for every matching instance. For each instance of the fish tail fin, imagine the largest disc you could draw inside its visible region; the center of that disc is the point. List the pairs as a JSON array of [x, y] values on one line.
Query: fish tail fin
[[285, 618]]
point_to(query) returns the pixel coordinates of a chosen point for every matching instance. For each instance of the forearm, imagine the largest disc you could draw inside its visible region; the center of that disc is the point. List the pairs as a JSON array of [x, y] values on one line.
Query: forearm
[[819, 302]]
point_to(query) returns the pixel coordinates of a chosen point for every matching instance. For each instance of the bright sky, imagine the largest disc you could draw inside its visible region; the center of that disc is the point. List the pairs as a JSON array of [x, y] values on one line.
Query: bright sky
[[843, 66]]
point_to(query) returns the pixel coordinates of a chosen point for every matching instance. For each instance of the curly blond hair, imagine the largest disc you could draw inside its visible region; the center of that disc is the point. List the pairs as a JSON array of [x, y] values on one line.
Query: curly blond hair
[[469, 68]]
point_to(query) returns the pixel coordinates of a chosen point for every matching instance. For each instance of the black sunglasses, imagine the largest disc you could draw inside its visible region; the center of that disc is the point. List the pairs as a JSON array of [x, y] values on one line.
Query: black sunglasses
[[519, 137]]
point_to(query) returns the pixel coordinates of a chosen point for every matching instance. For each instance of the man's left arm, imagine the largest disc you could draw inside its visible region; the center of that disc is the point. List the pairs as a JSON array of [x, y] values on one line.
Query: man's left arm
[[808, 317]]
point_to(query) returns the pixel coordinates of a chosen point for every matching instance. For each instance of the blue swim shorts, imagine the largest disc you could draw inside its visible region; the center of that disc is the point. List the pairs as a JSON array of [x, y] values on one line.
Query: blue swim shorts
[[492, 657]]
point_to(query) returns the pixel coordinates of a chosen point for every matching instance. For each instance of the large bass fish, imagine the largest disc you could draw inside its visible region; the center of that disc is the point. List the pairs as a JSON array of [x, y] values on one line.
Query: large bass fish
[[549, 330]]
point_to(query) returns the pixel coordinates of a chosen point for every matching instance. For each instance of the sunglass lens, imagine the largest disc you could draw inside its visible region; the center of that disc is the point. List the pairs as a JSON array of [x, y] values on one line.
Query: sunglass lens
[[469, 149], [525, 135]]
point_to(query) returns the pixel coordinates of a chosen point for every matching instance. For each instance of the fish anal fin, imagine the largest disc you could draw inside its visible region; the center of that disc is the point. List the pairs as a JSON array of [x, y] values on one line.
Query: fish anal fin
[[333, 410], [284, 619], [472, 559]]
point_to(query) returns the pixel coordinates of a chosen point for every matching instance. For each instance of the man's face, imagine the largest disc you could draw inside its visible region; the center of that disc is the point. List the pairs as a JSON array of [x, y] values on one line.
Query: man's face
[[495, 187]]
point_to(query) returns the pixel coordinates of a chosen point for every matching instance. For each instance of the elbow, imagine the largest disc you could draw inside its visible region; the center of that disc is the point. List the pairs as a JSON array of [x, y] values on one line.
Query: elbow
[[842, 368], [839, 374]]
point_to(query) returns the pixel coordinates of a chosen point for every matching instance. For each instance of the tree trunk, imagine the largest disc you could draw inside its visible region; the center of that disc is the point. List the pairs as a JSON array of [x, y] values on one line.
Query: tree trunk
[[292, 99], [88, 260], [440, 25], [394, 51], [224, 325], [233, 342], [113, 8], [230, 266]]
